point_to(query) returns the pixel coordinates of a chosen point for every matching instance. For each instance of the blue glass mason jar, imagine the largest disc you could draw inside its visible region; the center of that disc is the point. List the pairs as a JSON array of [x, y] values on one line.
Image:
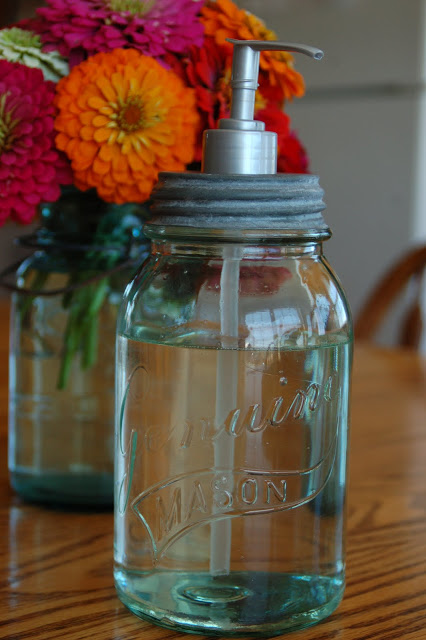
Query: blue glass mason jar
[[61, 373], [232, 410]]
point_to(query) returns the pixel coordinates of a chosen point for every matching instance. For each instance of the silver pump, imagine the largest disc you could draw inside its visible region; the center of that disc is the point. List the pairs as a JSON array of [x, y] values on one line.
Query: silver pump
[[241, 146]]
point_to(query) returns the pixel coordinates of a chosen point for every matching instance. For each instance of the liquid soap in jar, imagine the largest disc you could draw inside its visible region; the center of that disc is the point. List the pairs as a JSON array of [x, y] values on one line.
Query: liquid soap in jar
[[233, 365]]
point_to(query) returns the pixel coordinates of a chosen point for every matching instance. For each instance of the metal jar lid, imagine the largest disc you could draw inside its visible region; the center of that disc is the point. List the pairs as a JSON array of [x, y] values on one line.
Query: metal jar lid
[[290, 204]]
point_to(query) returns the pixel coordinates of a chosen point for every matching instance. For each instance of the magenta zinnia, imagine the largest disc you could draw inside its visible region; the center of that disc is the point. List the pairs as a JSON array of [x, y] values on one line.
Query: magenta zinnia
[[30, 167], [81, 28]]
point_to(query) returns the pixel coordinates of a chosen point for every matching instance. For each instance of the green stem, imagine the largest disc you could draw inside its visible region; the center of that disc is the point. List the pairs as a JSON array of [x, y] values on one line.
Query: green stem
[[82, 327], [71, 340], [90, 333]]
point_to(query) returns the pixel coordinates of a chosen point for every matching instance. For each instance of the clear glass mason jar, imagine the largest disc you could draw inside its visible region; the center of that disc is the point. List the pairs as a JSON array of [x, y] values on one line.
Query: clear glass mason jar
[[233, 369], [61, 373]]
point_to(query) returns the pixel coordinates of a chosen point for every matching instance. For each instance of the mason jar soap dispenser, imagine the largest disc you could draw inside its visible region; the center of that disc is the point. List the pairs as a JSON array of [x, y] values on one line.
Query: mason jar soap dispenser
[[233, 364]]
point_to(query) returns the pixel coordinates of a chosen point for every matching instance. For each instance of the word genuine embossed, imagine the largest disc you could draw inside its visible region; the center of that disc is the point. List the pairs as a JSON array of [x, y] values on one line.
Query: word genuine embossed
[[283, 410], [253, 420]]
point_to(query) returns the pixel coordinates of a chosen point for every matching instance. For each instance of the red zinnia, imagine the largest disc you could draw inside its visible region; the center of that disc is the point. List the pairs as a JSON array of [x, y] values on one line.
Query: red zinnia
[[292, 156], [207, 71], [30, 167]]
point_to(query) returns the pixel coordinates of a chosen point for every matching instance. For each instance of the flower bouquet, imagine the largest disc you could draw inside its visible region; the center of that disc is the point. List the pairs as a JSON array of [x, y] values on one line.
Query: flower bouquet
[[96, 98]]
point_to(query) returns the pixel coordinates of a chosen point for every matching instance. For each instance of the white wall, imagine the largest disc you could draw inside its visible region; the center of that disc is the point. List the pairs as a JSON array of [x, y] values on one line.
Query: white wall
[[361, 120], [366, 41], [419, 229]]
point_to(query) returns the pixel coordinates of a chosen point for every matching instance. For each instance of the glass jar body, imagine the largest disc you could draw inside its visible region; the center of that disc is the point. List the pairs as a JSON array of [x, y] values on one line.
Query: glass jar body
[[61, 382], [233, 367]]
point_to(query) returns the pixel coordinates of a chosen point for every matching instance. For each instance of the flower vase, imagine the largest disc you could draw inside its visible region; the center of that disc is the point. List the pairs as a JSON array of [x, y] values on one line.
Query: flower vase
[[63, 318]]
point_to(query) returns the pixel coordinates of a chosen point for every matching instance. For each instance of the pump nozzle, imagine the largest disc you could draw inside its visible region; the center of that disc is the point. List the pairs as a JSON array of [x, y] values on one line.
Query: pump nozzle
[[245, 71], [241, 145]]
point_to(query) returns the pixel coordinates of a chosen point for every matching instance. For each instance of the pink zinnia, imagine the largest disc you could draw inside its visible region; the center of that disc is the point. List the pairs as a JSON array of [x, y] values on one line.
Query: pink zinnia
[[81, 28], [30, 167]]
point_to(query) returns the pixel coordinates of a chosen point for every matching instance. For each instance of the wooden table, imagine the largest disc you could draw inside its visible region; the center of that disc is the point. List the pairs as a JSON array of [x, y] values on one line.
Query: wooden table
[[56, 568]]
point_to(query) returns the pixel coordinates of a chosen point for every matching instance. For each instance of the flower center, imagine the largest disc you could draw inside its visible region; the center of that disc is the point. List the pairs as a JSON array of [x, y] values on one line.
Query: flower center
[[132, 115], [18, 37], [134, 7]]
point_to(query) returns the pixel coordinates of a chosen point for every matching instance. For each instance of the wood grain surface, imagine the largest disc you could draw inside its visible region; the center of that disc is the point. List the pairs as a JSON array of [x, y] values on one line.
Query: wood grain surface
[[56, 567]]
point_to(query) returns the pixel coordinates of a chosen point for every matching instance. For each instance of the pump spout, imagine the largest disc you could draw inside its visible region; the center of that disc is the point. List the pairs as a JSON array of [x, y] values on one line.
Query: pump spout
[[245, 71], [241, 145], [276, 45]]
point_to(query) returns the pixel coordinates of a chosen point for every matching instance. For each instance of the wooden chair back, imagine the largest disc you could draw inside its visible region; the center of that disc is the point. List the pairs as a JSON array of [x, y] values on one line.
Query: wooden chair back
[[410, 268]]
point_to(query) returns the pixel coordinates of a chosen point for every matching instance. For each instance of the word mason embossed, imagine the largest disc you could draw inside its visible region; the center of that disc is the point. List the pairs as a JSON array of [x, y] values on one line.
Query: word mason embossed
[[170, 509]]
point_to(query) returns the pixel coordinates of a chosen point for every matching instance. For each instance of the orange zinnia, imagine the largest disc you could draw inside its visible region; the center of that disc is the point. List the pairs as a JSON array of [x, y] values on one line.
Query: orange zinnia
[[122, 119], [223, 19]]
